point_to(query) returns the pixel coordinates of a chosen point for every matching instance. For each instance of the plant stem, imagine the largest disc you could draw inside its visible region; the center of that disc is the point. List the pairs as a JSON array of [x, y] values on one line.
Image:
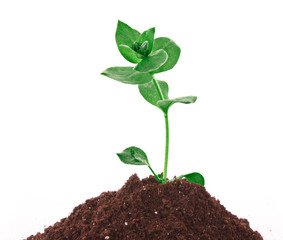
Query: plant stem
[[166, 148], [158, 89], [167, 132], [153, 172]]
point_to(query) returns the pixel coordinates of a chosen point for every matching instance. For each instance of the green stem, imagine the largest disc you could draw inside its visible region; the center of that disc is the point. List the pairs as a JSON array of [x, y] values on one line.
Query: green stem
[[167, 132], [158, 89], [180, 177], [166, 148], [153, 172]]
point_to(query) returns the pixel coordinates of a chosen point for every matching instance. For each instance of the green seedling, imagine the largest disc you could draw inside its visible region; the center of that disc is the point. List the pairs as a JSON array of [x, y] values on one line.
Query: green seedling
[[151, 56]]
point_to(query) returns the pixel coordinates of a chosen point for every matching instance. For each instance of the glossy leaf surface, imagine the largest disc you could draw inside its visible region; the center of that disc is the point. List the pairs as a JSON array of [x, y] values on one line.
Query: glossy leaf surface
[[167, 103], [125, 35], [150, 94], [133, 156], [127, 75], [152, 62], [171, 48], [195, 178]]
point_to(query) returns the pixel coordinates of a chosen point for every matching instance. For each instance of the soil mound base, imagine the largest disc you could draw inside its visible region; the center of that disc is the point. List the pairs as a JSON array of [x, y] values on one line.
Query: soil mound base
[[146, 210]]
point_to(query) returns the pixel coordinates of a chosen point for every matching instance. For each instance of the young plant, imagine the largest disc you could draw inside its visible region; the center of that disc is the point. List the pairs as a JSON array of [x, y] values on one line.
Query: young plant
[[151, 56]]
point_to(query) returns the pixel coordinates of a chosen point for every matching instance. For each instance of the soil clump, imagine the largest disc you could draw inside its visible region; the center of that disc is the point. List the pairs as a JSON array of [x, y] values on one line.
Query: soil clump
[[146, 210]]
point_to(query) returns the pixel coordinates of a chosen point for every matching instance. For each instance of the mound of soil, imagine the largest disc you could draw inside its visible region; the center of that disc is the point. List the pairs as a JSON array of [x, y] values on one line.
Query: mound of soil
[[144, 209]]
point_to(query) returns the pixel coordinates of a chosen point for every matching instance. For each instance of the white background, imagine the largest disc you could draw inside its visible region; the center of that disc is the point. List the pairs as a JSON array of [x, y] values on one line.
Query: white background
[[61, 122]]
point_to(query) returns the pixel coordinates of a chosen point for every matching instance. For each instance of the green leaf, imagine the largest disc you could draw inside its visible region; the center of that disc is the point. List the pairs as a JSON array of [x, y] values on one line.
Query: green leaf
[[195, 178], [152, 62], [150, 94], [149, 37], [133, 156], [130, 53], [127, 75], [125, 35], [167, 103], [171, 48]]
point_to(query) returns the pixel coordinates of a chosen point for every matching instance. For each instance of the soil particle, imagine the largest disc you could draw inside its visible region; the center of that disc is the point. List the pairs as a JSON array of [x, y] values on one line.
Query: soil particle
[[146, 210]]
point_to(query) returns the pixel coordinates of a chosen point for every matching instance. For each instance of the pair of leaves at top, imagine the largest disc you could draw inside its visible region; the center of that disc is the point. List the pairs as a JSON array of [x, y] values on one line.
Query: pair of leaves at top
[[136, 156], [133, 45], [151, 55]]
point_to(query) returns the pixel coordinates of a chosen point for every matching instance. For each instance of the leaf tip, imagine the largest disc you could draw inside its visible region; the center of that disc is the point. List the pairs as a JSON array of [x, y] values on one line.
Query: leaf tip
[[103, 73], [120, 156], [121, 23]]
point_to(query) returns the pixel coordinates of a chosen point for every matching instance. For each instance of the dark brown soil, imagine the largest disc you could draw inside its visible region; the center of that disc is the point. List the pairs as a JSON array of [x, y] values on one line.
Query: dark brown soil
[[144, 209]]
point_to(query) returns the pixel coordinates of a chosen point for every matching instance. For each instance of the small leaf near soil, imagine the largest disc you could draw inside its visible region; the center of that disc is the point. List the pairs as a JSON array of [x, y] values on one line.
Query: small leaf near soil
[[133, 156], [195, 178]]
